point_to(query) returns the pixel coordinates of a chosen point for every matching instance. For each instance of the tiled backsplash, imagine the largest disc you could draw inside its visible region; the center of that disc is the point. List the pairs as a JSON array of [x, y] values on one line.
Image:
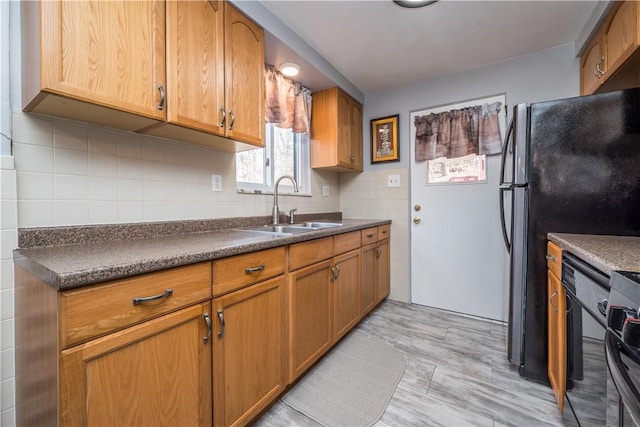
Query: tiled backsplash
[[72, 173]]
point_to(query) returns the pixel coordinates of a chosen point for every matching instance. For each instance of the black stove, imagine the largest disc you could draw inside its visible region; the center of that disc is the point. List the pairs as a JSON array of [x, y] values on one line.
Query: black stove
[[622, 344]]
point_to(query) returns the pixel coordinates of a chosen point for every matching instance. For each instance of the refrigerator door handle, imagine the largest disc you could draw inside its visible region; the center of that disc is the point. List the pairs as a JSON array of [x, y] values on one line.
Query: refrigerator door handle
[[505, 148], [504, 187]]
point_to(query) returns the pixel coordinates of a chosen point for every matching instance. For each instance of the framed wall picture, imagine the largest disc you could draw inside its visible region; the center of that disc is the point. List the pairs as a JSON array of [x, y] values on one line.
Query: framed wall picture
[[384, 139]]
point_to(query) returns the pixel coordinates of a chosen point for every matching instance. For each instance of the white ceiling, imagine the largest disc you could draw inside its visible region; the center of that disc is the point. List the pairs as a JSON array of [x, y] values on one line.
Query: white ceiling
[[377, 44]]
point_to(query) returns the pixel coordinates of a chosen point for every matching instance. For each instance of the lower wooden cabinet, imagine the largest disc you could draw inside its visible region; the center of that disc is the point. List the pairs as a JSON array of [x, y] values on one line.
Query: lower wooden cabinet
[[376, 280], [557, 332], [346, 279], [155, 373], [309, 310], [249, 351]]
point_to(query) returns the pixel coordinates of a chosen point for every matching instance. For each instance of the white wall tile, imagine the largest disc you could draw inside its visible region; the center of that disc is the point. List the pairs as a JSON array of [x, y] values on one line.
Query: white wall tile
[[7, 389], [6, 334], [71, 212], [33, 158], [103, 165], [103, 211], [6, 273], [8, 242], [8, 184], [7, 365], [34, 186], [153, 170], [154, 210], [130, 211], [130, 168], [71, 162], [29, 129], [6, 304], [154, 190], [70, 136], [102, 141], [153, 150], [129, 145], [102, 188], [8, 417], [35, 213], [70, 187], [131, 189], [8, 214]]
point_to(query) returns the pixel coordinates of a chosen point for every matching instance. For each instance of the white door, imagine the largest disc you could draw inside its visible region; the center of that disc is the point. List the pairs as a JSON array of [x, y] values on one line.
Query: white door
[[458, 258]]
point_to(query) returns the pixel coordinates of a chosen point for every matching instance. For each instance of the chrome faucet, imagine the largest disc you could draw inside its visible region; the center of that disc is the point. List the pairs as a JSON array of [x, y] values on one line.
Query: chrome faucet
[[275, 214]]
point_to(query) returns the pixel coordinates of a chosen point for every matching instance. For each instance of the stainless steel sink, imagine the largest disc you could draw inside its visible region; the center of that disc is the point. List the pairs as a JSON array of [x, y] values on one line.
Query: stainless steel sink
[[287, 229], [318, 224]]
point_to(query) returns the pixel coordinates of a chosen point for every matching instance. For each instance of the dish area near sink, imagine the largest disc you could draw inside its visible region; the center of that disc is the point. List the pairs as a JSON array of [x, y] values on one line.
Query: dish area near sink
[[287, 229]]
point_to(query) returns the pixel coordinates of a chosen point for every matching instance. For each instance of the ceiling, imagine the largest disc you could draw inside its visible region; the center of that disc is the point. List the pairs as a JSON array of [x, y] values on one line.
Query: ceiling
[[377, 44]]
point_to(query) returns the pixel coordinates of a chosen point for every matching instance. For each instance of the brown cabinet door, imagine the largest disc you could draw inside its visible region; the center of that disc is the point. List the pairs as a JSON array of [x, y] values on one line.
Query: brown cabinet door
[[368, 292], [195, 64], [355, 118], [310, 316], [557, 345], [344, 144], [383, 260], [249, 355], [244, 78], [620, 35], [592, 66], [155, 373], [346, 278], [107, 53]]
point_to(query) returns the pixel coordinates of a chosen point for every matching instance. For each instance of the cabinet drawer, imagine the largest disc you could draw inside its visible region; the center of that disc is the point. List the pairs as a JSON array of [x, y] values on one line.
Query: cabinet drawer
[[97, 310], [241, 270], [554, 259], [369, 235], [346, 242], [384, 231], [307, 253]]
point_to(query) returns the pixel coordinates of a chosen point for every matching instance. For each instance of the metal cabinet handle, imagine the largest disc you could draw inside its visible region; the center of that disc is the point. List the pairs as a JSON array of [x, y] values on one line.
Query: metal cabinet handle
[[550, 257], [598, 67], [142, 300], [207, 320], [369, 236], [257, 269], [233, 119], [162, 96], [378, 252], [333, 273], [337, 271], [224, 117], [553, 295], [222, 324]]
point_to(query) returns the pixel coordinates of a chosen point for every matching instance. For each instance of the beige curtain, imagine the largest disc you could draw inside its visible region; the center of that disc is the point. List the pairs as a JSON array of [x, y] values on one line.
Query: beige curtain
[[287, 103]]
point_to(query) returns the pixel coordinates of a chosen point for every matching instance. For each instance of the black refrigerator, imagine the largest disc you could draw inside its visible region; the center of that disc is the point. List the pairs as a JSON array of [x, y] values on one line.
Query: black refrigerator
[[568, 166]]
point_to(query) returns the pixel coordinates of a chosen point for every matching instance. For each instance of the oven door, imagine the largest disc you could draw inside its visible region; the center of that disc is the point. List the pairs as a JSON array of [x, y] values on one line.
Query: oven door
[[624, 366]]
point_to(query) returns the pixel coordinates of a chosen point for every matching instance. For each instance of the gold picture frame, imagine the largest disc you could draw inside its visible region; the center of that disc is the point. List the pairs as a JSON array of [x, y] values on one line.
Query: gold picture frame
[[384, 139]]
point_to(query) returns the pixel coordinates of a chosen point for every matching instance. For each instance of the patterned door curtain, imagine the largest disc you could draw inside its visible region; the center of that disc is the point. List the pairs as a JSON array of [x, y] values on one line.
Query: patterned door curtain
[[457, 133]]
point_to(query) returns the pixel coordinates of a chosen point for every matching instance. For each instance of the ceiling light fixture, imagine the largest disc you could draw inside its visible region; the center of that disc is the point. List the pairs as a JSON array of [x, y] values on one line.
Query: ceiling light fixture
[[289, 69], [413, 4]]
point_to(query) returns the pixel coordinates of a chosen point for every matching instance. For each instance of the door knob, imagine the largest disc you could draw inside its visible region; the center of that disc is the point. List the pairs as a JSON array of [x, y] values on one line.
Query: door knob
[[417, 208], [416, 220]]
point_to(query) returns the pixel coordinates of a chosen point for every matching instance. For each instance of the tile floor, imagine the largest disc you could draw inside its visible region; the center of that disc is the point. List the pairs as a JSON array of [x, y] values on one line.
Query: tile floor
[[457, 373]]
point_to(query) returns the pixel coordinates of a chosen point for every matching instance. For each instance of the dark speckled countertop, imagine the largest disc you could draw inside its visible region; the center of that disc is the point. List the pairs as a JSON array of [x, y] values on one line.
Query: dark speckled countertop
[[606, 253], [67, 266]]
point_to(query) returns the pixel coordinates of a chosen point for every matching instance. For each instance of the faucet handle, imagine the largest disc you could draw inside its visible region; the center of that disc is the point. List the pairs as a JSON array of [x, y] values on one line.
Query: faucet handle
[[291, 211]]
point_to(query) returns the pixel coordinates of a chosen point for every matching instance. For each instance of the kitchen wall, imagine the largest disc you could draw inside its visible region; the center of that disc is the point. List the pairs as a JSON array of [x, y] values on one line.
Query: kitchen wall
[[544, 75]]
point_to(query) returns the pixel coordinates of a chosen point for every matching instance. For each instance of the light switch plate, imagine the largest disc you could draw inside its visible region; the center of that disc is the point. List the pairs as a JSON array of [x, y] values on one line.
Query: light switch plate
[[325, 190], [216, 183], [393, 180]]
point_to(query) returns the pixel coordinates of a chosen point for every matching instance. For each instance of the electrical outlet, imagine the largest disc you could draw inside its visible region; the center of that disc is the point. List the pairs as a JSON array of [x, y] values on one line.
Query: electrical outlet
[[393, 180], [325, 190], [216, 183]]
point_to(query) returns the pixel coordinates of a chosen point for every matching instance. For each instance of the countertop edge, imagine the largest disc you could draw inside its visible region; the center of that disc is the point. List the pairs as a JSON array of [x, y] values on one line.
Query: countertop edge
[[66, 280]]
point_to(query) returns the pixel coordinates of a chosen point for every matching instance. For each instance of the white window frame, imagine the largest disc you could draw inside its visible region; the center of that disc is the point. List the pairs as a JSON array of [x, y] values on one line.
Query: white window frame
[[302, 168]]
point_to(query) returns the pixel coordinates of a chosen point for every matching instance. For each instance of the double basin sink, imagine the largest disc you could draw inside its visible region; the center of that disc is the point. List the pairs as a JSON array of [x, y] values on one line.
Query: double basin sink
[[287, 229]]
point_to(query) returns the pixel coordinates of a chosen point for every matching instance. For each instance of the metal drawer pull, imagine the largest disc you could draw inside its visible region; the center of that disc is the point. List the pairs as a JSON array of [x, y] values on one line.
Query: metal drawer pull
[[337, 271], [551, 257], [142, 300], [369, 236], [333, 273], [162, 96], [250, 270], [221, 317], [207, 320]]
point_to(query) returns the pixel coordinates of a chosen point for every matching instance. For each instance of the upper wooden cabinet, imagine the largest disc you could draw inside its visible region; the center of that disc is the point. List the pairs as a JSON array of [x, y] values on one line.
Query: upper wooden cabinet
[[336, 131], [80, 57], [186, 70], [611, 58]]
